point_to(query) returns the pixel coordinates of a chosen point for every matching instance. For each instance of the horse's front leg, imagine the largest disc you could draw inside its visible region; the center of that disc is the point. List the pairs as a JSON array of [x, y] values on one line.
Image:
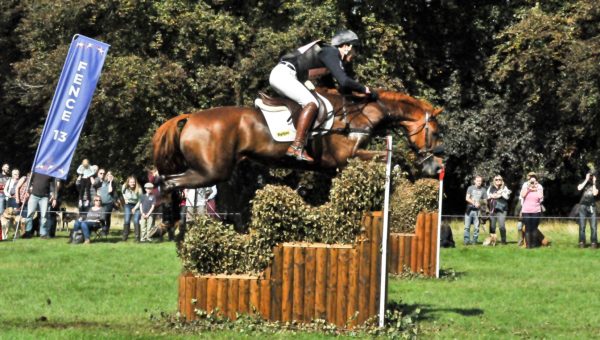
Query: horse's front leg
[[367, 155], [188, 179]]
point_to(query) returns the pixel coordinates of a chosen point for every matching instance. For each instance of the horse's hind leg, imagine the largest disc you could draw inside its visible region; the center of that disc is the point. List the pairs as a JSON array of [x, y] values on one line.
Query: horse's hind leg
[[188, 179]]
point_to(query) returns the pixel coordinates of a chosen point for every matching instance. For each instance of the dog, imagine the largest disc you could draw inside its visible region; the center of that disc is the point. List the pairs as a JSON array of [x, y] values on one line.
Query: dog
[[67, 217], [446, 239], [490, 240], [7, 220], [539, 237], [484, 214]]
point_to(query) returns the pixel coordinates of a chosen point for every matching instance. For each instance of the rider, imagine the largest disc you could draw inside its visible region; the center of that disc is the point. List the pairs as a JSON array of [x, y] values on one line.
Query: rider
[[293, 70]]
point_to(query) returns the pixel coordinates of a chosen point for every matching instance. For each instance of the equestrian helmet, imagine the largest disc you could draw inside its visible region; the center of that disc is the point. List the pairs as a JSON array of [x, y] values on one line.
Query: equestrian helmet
[[344, 37]]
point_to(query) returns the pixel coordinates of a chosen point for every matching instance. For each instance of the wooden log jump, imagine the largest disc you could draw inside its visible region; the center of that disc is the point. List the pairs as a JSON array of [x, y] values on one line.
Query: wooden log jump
[[416, 252], [305, 281]]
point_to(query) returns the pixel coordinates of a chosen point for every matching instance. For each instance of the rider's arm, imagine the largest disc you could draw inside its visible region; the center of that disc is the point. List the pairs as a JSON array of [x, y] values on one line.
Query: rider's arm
[[331, 58]]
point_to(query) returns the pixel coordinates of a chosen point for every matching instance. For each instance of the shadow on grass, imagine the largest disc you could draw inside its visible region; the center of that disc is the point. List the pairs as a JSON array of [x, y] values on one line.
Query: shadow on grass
[[425, 312]]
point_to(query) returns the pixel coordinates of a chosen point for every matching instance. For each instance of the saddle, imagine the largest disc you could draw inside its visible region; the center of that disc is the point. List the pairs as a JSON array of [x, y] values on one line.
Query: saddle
[[295, 108], [281, 115]]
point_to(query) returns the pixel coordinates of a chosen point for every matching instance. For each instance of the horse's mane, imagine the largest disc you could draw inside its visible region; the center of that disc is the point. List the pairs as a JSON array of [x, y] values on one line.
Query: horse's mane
[[391, 96]]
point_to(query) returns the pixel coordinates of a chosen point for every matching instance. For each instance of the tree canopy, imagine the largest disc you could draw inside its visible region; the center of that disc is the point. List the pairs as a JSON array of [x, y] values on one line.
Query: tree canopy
[[519, 80]]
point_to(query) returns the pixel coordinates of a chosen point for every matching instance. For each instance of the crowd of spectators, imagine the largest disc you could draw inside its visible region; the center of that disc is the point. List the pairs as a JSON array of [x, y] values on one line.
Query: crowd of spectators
[[36, 199], [493, 202]]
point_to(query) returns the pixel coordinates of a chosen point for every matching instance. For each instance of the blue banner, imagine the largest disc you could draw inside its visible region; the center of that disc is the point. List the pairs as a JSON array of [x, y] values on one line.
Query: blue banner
[[69, 106]]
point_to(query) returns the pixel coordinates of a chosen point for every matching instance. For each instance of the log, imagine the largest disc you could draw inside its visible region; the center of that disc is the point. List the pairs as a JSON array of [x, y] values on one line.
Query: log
[[244, 296], [310, 275], [353, 274], [427, 245], [342, 287], [321, 284], [332, 285], [276, 280], [393, 249], [298, 284], [287, 285], [364, 281], [201, 293], [265, 298], [222, 288], [211, 294], [420, 231], [233, 298], [402, 258], [190, 294], [254, 297], [413, 245]]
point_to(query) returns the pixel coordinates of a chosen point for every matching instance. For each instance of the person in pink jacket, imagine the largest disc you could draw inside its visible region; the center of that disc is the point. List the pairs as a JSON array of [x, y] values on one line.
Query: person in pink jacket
[[532, 195]]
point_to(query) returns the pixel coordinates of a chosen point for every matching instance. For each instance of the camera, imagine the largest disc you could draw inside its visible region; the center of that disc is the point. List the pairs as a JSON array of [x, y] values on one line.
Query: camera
[[593, 173]]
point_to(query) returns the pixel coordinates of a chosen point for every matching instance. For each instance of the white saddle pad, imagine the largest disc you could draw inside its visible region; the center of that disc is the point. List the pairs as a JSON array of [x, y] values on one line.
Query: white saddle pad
[[281, 126]]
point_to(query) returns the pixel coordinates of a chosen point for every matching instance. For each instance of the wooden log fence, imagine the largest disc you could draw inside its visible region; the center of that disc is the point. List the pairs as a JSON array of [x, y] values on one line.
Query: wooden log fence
[[416, 252], [307, 281]]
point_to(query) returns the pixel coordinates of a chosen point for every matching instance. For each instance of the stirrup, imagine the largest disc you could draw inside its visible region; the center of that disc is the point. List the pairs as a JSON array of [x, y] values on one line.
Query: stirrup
[[299, 153]]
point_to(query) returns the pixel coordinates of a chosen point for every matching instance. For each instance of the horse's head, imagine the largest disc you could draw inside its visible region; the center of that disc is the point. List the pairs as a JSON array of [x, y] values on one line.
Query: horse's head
[[418, 118]]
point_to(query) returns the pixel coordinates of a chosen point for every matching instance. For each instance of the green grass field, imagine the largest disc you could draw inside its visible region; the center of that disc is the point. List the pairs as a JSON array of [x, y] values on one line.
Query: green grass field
[[50, 289]]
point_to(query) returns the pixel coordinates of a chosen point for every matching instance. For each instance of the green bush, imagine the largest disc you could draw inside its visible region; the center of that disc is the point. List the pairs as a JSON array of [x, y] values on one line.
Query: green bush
[[279, 214], [408, 199]]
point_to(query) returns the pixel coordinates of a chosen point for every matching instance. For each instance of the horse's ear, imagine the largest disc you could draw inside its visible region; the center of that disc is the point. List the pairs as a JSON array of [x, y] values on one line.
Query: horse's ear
[[437, 111]]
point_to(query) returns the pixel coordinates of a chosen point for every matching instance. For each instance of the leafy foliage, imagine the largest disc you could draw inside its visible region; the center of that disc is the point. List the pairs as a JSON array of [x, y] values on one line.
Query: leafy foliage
[[279, 214], [518, 79], [408, 199]]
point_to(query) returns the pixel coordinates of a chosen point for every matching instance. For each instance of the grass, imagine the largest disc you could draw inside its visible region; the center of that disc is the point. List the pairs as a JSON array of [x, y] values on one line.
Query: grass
[[49, 289]]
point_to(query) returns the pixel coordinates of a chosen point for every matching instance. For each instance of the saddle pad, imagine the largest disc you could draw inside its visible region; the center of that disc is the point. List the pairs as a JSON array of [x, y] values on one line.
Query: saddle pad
[[280, 123]]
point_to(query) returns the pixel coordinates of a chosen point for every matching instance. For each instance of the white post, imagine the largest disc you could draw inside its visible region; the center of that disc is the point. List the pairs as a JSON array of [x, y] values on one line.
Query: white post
[[439, 223], [384, 238]]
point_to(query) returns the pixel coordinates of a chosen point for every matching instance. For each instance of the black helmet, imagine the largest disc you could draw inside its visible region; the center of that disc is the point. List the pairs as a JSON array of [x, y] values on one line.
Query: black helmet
[[344, 37]]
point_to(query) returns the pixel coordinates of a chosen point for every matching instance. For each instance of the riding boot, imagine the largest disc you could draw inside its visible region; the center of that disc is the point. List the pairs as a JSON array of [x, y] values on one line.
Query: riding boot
[[305, 120]]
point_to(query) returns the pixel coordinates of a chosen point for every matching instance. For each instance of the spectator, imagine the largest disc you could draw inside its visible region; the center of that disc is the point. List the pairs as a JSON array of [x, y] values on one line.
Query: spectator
[[11, 191], [196, 201], [587, 209], [532, 194], [22, 197], [43, 194], [147, 204], [4, 177], [106, 188], [85, 172], [498, 195], [93, 219], [475, 194], [132, 192], [156, 180], [53, 212]]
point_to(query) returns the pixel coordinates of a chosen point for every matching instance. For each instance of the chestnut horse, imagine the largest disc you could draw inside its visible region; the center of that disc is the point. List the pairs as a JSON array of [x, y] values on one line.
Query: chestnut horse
[[210, 144]]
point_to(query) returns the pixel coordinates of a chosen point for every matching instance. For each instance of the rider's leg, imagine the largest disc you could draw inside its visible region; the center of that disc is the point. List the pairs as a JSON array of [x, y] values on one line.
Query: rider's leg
[[305, 120], [284, 81]]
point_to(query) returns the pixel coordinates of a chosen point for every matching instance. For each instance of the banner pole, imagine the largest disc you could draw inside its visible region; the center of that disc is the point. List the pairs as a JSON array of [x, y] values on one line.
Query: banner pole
[[384, 239], [439, 222]]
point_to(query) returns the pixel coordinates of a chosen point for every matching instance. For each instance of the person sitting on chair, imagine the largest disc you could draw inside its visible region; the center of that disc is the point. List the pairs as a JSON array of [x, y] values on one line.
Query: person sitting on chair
[[93, 220], [293, 70]]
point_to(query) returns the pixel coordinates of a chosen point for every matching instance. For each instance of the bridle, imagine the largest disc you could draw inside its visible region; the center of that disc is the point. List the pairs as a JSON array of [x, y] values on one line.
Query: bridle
[[426, 151]]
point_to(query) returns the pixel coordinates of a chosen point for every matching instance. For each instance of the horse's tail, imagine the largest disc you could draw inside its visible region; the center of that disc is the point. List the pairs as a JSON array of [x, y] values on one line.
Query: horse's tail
[[168, 157]]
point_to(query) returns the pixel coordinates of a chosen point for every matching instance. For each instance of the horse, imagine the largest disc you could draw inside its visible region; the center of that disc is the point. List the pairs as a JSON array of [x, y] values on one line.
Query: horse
[[208, 145]]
